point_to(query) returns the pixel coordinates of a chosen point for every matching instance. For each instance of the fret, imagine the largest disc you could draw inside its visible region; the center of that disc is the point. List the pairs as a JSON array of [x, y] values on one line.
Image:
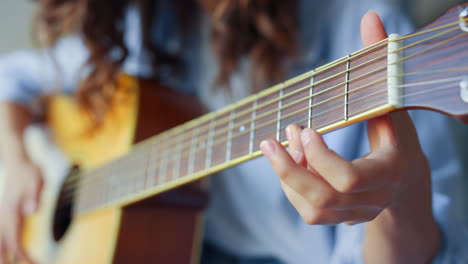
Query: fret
[[252, 125], [280, 110], [229, 136], [346, 90], [163, 159], [296, 105], [178, 156], [266, 117], [193, 144], [153, 162], [311, 99], [240, 142], [209, 145], [328, 94], [219, 146], [365, 88], [201, 146]]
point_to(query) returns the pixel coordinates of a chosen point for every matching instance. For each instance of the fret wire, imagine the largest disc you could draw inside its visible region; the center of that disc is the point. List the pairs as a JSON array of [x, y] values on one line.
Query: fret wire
[[191, 162], [280, 105], [178, 157], [311, 99], [252, 125], [346, 89], [147, 167], [229, 137], [209, 146], [163, 161], [153, 158]]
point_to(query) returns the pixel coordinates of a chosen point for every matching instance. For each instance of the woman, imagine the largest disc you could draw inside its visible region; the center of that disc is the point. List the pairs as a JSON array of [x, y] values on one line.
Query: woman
[[254, 42]]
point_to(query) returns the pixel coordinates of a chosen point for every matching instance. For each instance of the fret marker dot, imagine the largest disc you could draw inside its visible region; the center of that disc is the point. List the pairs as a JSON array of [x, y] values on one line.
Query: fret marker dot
[[242, 128]]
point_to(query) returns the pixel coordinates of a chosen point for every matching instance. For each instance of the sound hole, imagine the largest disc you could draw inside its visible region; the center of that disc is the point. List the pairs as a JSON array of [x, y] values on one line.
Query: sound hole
[[64, 209]]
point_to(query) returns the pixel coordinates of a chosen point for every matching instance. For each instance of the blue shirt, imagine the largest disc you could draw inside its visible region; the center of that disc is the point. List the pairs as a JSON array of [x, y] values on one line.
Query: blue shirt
[[249, 214]]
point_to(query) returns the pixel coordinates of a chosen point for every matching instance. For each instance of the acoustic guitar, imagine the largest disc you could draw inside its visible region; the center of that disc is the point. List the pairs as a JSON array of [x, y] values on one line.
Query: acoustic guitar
[[138, 204]]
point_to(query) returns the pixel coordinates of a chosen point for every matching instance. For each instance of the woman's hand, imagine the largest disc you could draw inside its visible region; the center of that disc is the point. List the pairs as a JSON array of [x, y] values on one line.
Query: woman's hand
[[390, 185], [22, 183], [20, 197]]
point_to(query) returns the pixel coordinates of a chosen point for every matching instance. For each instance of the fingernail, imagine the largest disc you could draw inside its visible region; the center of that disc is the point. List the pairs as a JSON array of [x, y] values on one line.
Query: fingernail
[[288, 133], [268, 148], [297, 156], [29, 207], [306, 136]]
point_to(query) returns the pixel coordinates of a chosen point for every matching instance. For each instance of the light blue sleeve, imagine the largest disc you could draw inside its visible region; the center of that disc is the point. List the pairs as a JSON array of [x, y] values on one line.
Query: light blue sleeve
[[26, 75], [437, 141]]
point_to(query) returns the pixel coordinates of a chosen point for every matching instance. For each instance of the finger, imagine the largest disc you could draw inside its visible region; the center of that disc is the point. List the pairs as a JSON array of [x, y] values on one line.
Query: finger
[[309, 185], [3, 252], [312, 187], [13, 239], [295, 146], [394, 130], [372, 29], [32, 198], [337, 171], [324, 216]]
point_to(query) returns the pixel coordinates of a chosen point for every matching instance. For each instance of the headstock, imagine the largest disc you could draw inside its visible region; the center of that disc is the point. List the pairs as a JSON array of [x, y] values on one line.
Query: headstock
[[435, 65]]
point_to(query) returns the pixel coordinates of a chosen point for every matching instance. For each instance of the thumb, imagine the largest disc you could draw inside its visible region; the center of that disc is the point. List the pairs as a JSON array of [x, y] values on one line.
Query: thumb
[[372, 29]]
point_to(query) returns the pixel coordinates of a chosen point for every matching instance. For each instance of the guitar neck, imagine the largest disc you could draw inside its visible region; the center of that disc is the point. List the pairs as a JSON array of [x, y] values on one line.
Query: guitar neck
[[392, 74]]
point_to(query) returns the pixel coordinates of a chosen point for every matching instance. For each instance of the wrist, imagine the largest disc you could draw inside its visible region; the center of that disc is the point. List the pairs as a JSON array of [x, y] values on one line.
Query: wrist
[[405, 232]]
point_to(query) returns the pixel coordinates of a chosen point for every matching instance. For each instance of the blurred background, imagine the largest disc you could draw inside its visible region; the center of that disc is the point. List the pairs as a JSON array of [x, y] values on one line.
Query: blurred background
[[17, 17]]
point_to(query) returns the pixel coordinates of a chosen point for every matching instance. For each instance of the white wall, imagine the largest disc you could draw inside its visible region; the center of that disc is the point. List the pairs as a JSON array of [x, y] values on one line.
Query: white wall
[[16, 18]]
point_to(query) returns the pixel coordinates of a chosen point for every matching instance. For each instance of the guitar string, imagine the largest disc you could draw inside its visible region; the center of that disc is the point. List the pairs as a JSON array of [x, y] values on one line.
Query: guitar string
[[238, 115], [423, 32], [125, 195], [360, 99], [186, 143], [341, 61], [185, 146], [338, 85], [182, 155], [344, 60]]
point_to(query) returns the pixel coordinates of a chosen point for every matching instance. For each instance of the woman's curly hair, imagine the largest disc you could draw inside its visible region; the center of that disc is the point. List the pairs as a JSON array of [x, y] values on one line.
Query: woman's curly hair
[[264, 30]]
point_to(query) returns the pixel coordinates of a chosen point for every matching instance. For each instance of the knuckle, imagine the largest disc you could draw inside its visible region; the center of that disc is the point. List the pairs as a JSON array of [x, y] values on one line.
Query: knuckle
[[324, 199], [349, 181], [284, 172], [312, 216]]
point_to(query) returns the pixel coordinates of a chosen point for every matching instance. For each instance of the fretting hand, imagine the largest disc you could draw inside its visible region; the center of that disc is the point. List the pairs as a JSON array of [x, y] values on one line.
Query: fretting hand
[[390, 186]]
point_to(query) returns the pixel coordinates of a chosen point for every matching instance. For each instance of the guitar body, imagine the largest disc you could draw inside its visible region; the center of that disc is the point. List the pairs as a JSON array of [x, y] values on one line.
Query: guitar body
[[156, 230], [158, 221]]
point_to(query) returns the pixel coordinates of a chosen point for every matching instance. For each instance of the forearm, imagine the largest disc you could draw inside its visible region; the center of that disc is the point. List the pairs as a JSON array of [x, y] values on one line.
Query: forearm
[[14, 119], [407, 233]]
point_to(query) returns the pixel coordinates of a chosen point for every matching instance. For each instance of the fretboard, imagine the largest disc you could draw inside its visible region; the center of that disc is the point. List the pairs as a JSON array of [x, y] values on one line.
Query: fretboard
[[354, 88]]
